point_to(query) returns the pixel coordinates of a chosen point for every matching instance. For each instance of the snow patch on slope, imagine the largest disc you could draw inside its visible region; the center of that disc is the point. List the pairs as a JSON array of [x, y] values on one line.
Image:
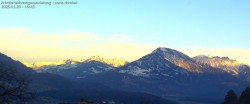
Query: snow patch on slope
[[136, 71]]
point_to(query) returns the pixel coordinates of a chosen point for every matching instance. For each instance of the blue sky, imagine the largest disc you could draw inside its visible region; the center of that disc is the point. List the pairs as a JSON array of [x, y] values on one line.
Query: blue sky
[[179, 24]]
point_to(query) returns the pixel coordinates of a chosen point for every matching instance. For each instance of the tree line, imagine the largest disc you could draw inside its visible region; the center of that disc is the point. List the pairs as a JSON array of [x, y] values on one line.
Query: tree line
[[232, 98]]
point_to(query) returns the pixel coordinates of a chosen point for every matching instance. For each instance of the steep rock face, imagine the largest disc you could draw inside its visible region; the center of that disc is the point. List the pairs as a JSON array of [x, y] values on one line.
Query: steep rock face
[[228, 65]]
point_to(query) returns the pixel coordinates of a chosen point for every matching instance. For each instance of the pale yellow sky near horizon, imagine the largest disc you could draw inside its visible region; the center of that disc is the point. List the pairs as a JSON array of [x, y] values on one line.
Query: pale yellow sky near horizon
[[240, 55], [23, 45]]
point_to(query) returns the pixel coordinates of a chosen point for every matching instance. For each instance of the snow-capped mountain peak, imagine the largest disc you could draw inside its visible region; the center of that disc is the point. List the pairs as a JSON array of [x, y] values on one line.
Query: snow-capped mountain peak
[[68, 62], [229, 65], [113, 62], [38, 65], [178, 59], [162, 61]]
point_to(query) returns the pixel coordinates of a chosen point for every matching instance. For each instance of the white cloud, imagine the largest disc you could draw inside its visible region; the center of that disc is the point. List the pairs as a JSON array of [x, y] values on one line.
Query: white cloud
[[25, 45], [22, 44]]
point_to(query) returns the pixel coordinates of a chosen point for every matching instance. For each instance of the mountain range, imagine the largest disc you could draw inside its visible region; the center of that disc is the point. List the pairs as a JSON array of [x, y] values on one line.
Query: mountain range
[[41, 65], [198, 64], [164, 72], [53, 89]]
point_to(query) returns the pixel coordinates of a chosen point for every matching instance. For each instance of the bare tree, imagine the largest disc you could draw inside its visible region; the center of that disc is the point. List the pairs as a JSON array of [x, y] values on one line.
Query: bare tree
[[13, 85]]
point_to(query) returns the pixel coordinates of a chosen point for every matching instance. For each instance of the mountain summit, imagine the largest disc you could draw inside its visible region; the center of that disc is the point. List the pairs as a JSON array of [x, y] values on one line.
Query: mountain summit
[[178, 59]]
